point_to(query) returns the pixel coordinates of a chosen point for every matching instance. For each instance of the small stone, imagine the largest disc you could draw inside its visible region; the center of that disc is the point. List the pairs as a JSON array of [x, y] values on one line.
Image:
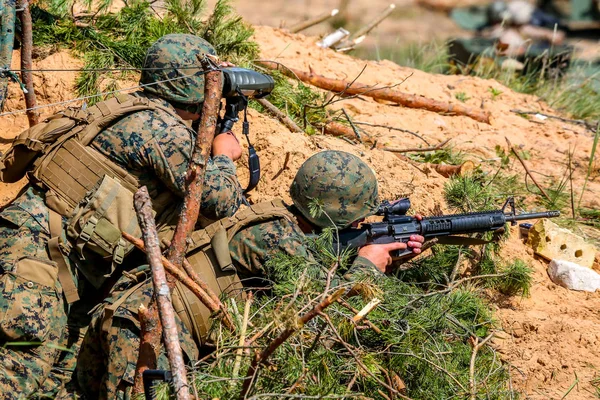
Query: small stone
[[573, 276], [550, 241]]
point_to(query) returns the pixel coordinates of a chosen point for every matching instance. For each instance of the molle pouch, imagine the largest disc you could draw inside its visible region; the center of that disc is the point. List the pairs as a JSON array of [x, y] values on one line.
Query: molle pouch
[[30, 305], [31, 143], [97, 222]]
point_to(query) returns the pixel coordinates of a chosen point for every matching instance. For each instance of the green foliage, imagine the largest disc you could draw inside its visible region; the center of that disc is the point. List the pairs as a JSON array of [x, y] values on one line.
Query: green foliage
[[120, 40], [495, 92], [590, 163], [577, 93], [428, 57], [298, 101], [446, 155], [462, 96], [517, 278], [469, 193], [590, 217], [426, 333]]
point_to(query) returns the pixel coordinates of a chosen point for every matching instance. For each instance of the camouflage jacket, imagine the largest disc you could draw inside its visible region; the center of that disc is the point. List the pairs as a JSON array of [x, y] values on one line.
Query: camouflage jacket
[[252, 247], [156, 148]]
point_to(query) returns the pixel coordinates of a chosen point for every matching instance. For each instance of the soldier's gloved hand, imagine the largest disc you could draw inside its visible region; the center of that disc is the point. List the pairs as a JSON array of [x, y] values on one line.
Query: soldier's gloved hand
[[228, 145]]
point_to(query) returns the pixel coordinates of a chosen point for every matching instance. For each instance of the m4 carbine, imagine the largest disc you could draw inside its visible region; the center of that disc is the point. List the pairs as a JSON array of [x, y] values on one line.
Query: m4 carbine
[[240, 84], [398, 227]]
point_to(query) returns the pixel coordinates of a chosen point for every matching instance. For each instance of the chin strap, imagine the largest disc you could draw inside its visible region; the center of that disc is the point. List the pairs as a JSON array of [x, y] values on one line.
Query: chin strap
[[253, 160]]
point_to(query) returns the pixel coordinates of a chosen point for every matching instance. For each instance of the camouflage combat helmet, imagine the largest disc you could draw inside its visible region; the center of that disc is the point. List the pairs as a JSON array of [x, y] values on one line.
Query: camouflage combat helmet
[[341, 183], [170, 57]]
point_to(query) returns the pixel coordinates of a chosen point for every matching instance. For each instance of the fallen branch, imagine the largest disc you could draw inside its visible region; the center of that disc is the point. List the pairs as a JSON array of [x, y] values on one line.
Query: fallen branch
[[454, 170], [26, 62], [393, 128], [355, 311], [313, 21], [339, 130], [240, 350], [7, 38], [195, 174], [284, 119], [512, 149], [476, 346], [366, 309], [388, 94], [589, 126], [283, 336], [284, 167], [151, 332], [162, 294], [192, 282], [417, 149]]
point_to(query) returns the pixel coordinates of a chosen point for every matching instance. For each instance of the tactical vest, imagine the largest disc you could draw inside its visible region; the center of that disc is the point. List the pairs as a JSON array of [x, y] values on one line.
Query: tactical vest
[[82, 184], [208, 254]]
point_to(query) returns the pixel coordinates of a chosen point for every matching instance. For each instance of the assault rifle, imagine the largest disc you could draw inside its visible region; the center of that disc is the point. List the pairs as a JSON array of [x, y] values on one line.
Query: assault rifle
[[398, 227], [240, 84]]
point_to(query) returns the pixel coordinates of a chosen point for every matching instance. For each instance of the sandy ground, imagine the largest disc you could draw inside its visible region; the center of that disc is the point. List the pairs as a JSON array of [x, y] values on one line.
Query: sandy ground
[[548, 337]]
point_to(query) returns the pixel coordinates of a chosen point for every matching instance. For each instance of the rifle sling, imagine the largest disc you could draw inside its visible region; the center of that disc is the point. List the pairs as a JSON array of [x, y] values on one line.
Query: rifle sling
[[56, 255]]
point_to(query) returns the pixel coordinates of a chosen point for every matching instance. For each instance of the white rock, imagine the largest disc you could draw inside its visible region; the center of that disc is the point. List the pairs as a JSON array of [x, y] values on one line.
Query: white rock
[[573, 276]]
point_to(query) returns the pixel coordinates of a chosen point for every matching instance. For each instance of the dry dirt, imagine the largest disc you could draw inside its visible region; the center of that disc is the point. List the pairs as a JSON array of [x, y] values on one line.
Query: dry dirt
[[548, 337]]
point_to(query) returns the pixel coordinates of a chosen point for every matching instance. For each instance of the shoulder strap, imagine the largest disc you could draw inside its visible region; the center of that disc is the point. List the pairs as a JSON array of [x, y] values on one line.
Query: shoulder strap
[[102, 114], [64, 275], [256, 213]]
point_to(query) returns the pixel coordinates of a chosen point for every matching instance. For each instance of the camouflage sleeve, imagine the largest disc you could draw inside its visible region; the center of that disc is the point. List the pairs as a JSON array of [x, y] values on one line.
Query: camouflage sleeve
[[360, 267], [252, 247], [157, 146], [169, 153]]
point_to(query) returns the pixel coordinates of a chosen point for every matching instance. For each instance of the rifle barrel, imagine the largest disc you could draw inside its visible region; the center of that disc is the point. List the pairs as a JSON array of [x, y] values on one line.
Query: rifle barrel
[[522, 217]]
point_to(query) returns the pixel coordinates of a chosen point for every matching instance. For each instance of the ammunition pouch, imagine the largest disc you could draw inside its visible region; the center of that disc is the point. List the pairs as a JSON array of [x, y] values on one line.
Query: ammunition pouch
[[97, 222]]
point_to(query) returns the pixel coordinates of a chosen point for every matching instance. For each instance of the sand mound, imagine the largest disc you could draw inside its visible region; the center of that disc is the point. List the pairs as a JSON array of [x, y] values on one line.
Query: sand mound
[[548, 337]]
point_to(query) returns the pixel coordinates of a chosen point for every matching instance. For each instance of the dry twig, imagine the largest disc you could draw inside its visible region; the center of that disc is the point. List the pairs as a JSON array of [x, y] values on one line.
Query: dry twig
[[355, 311], [357, 359], [512, 149], [395, 96], [162, 294], [313, 21], [393, 128], [26, 62], [589, 126], [200, 156], [283, 336], [284, 167], [240, 350], [195, 284], [417, 149], [284, 119], [476, 346]]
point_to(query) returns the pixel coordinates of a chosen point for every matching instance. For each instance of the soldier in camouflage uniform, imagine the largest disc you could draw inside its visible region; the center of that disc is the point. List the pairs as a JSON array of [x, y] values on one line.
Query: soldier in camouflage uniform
[[346, 189], [155, 146]]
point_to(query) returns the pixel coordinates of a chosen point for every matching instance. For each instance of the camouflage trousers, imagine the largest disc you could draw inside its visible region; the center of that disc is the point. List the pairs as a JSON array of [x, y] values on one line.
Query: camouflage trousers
[[38, 342], [109, 352]]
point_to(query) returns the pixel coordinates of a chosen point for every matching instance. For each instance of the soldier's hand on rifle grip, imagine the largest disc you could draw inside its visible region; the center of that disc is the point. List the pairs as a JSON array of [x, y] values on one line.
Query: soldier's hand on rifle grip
[[228, 145]]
